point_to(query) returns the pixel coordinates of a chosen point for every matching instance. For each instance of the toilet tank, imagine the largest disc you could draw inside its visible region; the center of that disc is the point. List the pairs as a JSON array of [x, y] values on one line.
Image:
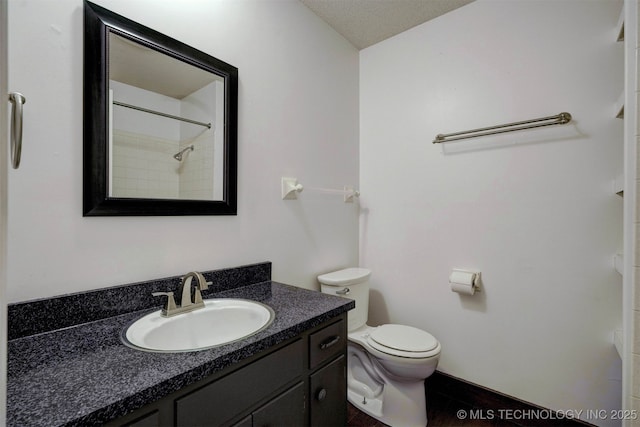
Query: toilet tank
[[350, 283]]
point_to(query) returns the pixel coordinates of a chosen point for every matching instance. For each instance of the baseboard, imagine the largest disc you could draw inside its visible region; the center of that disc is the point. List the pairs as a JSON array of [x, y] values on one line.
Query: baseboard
[[481, 403]]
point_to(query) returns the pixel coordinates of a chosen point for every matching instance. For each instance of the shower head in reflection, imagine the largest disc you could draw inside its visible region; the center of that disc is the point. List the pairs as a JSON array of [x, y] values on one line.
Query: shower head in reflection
[[178, 156]]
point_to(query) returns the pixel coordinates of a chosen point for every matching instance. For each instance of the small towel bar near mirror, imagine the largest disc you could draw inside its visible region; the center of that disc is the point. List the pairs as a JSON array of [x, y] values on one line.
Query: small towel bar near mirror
[[291, 187]]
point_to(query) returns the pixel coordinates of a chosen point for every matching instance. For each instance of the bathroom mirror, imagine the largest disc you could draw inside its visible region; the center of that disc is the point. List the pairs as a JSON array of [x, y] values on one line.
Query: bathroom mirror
[[160, 123]]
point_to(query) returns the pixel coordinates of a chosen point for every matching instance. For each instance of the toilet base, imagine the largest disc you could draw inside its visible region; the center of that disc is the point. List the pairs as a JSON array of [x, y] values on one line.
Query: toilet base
[[371, 407], [406, 408]]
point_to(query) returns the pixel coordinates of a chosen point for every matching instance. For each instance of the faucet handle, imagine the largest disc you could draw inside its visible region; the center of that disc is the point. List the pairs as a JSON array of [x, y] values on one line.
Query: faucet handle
[[171, 302], [202, 282]]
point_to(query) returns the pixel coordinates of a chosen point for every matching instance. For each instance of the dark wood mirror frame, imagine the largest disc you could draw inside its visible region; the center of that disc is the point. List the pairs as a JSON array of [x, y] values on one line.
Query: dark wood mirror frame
[[98, 23]]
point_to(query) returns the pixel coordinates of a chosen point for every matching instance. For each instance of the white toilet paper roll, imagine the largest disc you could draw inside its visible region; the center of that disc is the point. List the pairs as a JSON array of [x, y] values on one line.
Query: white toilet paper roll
[[463, 277], [463, 288], [463, 282]]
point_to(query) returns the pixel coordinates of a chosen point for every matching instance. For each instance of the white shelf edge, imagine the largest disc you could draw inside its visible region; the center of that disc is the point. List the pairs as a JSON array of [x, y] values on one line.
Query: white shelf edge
[[618, 108], [617, 341], [620, 27], [618, 185], [618, 262]]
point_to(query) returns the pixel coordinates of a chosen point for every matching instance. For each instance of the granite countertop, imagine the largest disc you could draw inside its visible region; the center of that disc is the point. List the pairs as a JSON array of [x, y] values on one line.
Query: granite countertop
[[84, 375]]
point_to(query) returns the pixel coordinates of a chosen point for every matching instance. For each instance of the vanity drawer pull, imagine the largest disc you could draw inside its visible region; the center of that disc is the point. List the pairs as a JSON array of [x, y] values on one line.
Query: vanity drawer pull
[[321, 394], [329, 342]]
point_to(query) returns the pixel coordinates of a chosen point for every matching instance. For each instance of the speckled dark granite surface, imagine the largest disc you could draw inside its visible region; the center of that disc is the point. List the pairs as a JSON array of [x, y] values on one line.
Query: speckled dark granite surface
[[83, 375], [37, 316]]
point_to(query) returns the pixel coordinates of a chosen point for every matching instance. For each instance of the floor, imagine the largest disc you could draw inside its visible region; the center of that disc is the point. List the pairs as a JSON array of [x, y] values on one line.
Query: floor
[[441, 412], [355, 418], [454, 403]]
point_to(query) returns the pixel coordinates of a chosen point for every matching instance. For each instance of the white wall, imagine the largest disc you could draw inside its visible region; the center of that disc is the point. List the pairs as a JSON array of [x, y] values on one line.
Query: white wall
[[298, 115], [533, 211]]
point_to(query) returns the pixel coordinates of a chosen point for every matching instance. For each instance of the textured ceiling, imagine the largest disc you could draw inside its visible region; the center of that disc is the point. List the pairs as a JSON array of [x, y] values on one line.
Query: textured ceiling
[[366, 22]]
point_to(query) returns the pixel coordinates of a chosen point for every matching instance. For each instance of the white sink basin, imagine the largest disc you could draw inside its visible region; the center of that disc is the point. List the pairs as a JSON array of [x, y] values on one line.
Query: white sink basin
[[220, 321]]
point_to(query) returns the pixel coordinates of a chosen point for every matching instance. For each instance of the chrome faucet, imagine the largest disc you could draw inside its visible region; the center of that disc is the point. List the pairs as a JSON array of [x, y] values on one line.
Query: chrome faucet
[[201, 285], [187, 304]]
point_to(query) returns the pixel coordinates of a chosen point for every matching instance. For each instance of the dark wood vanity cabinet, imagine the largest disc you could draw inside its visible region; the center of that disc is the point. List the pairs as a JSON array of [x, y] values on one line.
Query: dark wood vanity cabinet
[[301, 382]]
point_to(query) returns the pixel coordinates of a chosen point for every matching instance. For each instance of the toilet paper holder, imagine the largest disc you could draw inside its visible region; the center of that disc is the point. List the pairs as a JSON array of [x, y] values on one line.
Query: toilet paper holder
[[464, 281]]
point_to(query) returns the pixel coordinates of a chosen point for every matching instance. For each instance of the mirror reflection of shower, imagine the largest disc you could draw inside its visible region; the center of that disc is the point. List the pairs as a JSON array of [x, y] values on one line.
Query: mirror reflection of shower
[[178, 156]]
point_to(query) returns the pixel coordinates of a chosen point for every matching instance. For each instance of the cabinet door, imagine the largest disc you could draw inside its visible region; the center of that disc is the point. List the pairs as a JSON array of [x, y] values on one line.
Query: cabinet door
[[288, 409], [328, 394], [245, 422], [222, 400]]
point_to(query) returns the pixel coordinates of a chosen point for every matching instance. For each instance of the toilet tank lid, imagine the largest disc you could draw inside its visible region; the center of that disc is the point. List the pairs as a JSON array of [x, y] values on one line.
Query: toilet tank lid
[[348, 276]]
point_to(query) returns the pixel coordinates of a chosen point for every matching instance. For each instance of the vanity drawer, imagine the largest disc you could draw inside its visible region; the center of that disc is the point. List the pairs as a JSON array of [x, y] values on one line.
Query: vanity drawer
[[327, 343], [148, 420], [218, 402]]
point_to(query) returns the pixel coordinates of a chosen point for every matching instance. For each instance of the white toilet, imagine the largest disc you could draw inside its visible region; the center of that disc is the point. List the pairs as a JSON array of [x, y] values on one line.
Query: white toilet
[[387, 364]]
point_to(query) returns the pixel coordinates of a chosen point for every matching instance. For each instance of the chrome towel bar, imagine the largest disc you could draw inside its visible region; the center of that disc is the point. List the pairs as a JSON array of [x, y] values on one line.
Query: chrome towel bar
[[560, 119]]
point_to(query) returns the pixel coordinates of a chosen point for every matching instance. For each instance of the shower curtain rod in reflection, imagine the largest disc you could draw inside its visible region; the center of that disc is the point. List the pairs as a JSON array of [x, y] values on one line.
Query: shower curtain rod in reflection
[[560, 119], [158, 113]]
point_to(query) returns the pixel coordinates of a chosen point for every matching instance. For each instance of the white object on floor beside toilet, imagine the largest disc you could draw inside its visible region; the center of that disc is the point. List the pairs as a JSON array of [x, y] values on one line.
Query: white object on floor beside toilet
[[387, 364]]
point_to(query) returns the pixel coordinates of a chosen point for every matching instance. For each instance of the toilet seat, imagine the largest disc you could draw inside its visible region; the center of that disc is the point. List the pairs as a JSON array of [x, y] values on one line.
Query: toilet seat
[[403, 341]]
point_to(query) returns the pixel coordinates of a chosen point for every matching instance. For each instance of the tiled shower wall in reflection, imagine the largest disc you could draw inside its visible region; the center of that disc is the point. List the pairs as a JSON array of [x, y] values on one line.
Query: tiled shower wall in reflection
[[144, 166]]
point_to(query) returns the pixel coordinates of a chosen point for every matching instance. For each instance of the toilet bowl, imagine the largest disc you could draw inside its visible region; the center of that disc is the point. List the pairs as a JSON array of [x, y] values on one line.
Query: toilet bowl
[[387, 364]]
